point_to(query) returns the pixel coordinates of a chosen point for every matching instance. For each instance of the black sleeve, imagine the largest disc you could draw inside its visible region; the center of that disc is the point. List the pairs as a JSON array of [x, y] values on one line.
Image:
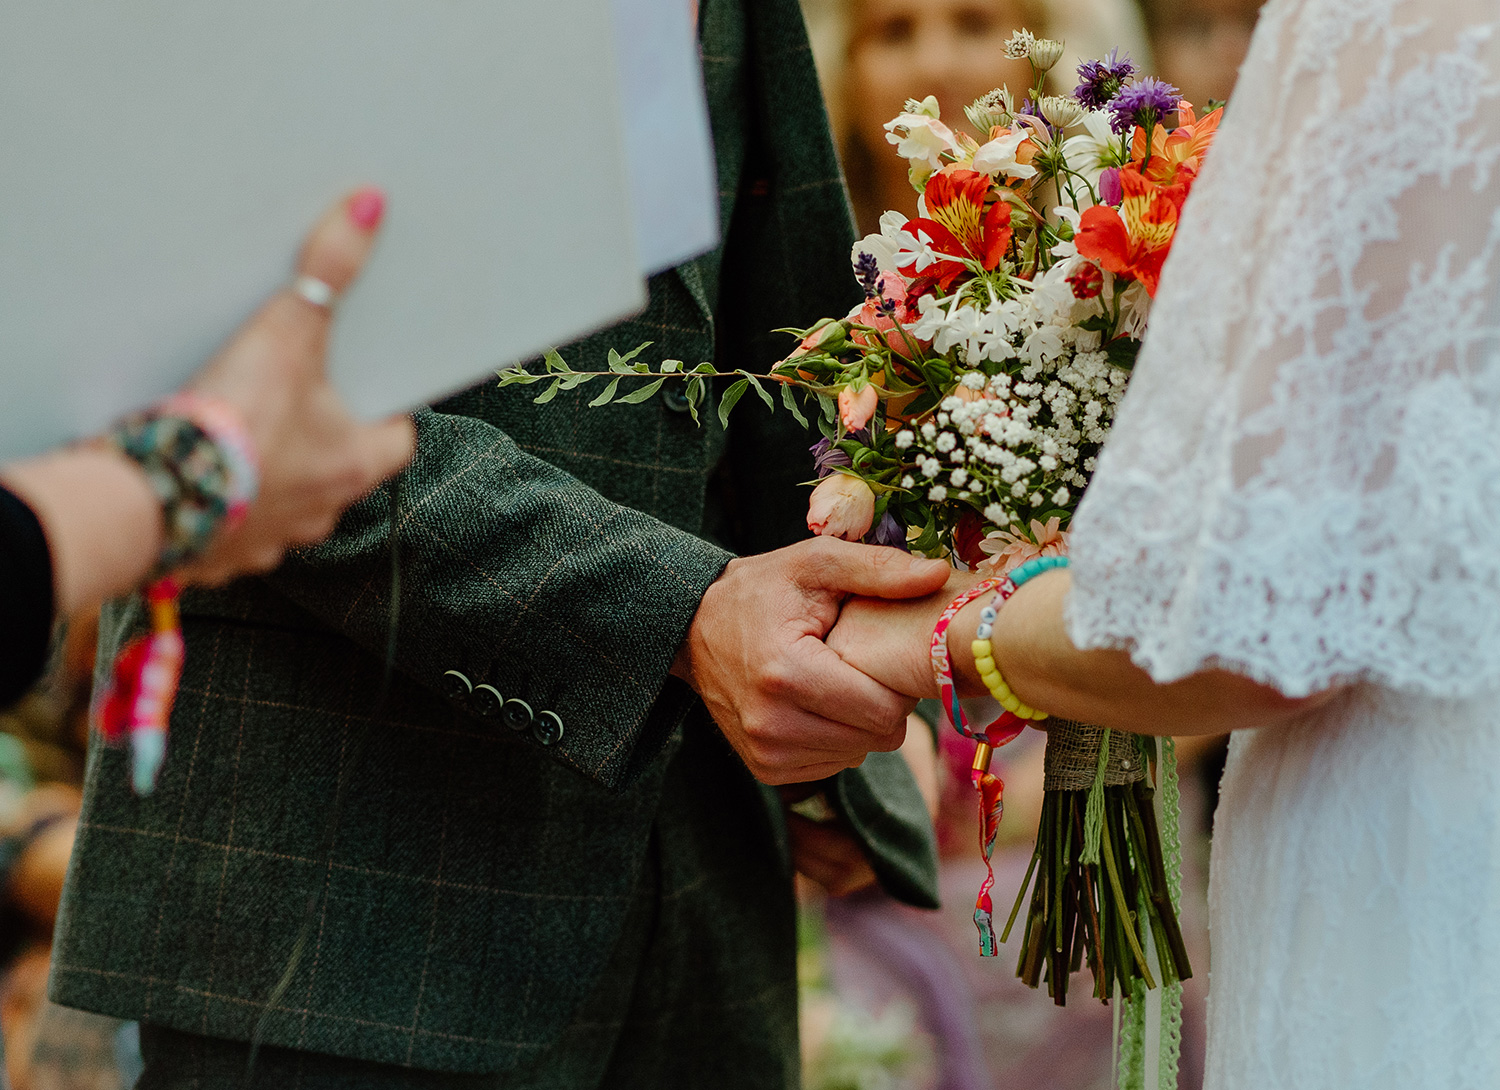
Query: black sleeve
[[25, 598]]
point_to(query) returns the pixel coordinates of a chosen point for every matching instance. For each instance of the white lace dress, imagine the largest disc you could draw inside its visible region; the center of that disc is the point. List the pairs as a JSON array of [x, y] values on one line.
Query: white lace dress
[[1303, 485]]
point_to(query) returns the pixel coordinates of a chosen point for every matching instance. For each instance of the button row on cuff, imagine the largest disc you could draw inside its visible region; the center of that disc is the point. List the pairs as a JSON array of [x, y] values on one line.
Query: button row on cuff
[[485, 700]]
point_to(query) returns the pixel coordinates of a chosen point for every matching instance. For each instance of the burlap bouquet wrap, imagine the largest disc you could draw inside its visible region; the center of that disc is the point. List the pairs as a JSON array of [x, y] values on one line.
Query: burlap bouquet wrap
[[1072, 759]]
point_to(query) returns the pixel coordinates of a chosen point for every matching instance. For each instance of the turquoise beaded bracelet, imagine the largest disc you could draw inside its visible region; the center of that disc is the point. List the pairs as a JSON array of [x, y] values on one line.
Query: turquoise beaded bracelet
[[984, 651]]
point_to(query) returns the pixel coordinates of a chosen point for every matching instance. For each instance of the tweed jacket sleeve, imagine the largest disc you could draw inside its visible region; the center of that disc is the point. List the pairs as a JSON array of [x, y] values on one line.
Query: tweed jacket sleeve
[[517, 576]]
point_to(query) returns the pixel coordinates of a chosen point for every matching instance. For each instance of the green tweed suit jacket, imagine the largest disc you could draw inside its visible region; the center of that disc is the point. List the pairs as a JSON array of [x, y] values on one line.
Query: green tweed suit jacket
[[490, 842]]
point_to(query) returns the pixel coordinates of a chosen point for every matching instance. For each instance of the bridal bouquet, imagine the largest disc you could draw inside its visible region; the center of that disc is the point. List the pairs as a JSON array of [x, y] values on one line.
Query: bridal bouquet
[[962, 405]]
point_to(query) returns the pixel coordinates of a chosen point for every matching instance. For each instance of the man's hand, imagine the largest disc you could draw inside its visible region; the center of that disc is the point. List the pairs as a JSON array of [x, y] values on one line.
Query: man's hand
[[792, 708], [891, 641], [828, 854]]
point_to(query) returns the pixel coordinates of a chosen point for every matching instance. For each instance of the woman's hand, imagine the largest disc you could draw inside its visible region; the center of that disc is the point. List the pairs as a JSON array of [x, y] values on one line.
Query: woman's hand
[[890, 639], [316, 459]]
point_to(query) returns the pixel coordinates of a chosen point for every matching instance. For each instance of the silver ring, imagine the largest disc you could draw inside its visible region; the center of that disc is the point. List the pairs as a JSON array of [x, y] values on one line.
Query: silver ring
[[317, 292]]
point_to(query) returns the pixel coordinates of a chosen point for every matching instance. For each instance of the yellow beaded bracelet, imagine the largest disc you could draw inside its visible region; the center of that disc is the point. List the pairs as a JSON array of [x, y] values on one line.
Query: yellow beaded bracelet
[[989, 673], [984, 651]]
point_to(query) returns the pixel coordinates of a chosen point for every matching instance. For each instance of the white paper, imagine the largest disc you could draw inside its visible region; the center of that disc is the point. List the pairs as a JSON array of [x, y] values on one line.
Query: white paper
[[668, 142], [160, 161]]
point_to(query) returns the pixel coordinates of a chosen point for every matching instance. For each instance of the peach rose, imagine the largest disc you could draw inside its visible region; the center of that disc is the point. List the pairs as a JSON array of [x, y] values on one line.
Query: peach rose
[[857, 406], [841, 506]]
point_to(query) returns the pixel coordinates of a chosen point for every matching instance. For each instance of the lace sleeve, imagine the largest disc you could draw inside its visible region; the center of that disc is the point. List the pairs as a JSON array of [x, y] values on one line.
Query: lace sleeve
[[1303, 483]]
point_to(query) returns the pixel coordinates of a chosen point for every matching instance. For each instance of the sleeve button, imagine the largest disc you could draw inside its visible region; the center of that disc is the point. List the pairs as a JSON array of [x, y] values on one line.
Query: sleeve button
[[517, 714], [548, 728], [456, 686], [486, 700], [674, 397]]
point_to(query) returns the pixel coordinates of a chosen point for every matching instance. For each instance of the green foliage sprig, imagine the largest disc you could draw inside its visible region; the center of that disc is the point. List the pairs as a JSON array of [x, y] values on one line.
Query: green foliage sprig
[[561, 376]]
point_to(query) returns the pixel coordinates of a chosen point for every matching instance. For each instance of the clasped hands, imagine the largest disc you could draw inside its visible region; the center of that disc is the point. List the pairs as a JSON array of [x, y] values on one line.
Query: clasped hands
[[811, 657]]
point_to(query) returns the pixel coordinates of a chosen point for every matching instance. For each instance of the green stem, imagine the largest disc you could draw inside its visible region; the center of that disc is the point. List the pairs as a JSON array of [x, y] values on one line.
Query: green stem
[[1015, 909], [1123, 909]]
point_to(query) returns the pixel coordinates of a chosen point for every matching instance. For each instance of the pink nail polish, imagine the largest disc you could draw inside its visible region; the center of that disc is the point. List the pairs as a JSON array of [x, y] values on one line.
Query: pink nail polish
[[366, 207]]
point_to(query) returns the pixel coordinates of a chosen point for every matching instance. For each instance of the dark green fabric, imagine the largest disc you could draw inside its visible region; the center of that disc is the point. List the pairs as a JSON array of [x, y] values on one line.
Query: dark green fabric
[[884, 808], [478, 879], [677, 1006]]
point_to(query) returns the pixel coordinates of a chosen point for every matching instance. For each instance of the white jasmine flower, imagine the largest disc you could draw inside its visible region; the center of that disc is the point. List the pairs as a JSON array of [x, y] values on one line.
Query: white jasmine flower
[[915, 251], [1043, 345]]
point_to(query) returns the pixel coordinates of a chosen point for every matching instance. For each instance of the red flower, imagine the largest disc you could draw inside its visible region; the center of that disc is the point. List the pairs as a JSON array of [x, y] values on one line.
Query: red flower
[[1133, 241], [967, 534], [959, 224], [1087, 282]]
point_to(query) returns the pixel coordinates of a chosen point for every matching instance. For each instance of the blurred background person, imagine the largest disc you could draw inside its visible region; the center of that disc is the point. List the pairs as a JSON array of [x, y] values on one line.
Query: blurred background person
[[1199, 44], [873, 55]]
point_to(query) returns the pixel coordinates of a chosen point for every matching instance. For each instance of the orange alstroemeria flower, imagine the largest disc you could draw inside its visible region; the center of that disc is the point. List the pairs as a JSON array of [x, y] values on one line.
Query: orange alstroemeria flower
[[959, 223], [1177, 156], [1133, 241]]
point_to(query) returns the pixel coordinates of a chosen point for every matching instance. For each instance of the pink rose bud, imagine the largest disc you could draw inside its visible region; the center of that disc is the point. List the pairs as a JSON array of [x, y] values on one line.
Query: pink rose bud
[[841, 506], [856, 408], [826, 332]]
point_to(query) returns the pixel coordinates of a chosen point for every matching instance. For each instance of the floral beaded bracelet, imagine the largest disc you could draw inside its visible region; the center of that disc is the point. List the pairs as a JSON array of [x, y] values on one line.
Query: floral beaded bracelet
[[984, 650], [200, 462]]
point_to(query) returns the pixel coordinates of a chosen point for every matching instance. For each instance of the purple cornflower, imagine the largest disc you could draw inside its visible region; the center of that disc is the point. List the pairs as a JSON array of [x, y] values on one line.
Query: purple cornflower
[[1101, 80], [827, 458], [888, 532], [867, 269], [1144, 104]]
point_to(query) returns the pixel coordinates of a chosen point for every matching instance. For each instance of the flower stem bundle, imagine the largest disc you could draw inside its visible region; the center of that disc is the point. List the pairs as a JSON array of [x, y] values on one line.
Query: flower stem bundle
[[1101, 894]]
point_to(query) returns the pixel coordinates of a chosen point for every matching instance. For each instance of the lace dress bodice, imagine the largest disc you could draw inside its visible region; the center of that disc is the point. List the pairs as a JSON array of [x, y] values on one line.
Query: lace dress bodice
[[1303, 485]]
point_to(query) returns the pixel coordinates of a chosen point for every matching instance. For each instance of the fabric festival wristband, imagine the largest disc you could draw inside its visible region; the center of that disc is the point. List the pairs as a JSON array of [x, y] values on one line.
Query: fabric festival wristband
[[1008, 725], [200, 462]]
